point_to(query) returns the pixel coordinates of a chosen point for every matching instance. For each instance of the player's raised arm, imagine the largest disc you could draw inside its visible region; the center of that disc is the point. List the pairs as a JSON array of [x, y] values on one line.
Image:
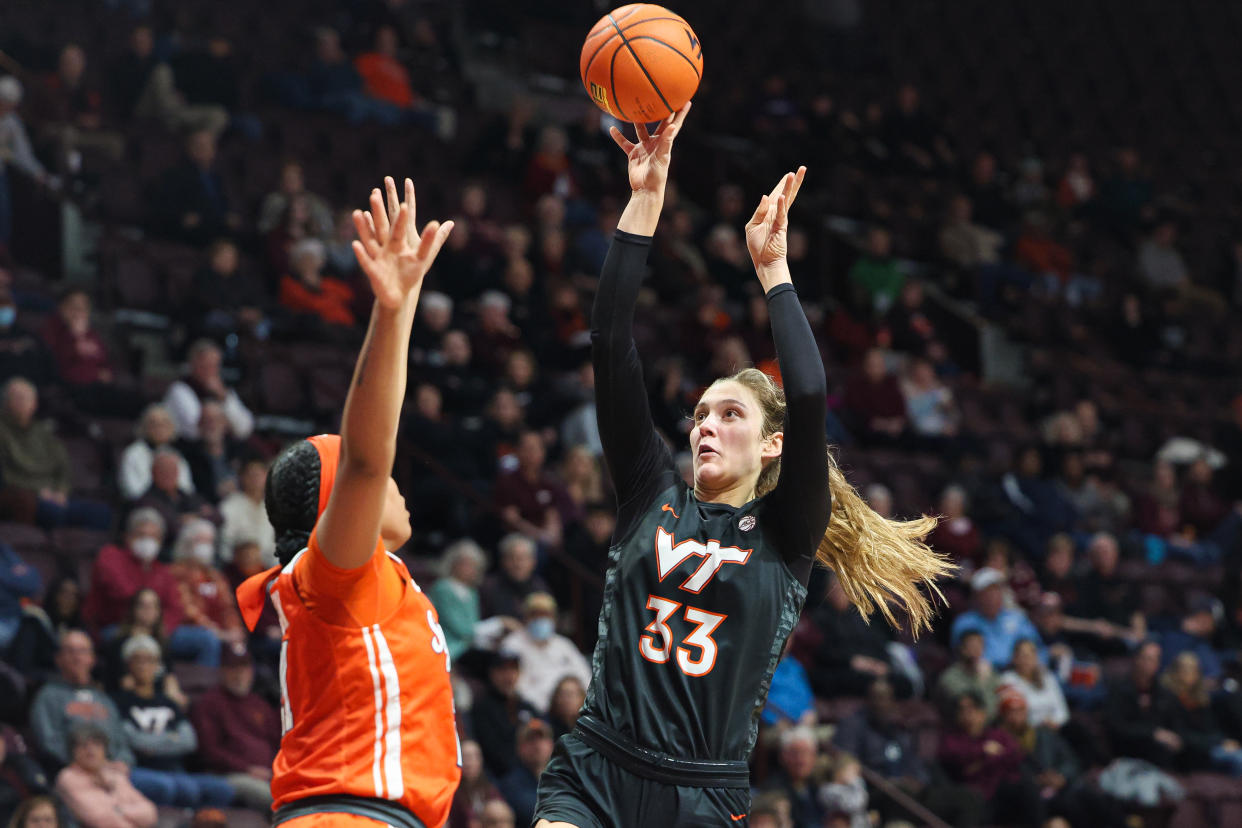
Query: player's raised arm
[[803, 481], [395, 258], [627, 431]]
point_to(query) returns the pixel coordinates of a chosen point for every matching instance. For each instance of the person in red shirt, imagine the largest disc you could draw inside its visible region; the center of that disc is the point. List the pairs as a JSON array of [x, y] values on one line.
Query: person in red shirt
[[369, 731], [384, 76], [82, 359], [238, 731], [307, 290], [989, 761]]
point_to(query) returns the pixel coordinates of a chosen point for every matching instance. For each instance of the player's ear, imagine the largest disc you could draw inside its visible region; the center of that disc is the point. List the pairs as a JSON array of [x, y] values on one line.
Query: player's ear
[[772, 445]]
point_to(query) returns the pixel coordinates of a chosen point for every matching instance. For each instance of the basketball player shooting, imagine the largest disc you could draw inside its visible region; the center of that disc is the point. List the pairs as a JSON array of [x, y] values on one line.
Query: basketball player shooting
[[706, 582]]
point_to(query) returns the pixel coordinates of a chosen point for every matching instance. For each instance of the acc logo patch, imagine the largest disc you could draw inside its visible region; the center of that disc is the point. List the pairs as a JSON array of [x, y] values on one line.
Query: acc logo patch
[[747, 523]]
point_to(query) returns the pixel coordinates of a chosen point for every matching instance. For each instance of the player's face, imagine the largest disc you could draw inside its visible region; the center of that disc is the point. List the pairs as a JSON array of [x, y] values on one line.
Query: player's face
[[395, 523], [726, 440]]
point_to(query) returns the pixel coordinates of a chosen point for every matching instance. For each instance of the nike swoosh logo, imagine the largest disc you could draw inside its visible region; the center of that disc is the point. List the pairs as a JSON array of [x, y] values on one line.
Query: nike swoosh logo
[[737, 817], [667, 508]]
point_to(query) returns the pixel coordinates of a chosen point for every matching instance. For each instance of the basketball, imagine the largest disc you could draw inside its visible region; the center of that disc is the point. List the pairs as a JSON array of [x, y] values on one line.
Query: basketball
[[641, 63]]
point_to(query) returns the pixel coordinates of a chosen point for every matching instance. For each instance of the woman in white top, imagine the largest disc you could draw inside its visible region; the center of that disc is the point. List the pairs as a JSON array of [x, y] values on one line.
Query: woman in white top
[[245, 515], [156, 430], [1045, 703]]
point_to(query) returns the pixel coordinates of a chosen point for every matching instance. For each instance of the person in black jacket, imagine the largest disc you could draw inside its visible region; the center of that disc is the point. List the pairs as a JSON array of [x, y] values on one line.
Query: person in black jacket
[[498, 713], [1136, 714], [852, 653]]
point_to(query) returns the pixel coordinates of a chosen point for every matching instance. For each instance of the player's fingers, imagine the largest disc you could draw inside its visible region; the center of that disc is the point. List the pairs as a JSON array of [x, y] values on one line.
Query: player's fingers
[[779, 188], [619, 137], [394, 202], [363, 226], [410, 205], [440, 238], [427, 239], [680, 115], [400, 228], [797, 184], [379, 217], [366, 262], [782, 212], [644, 135]]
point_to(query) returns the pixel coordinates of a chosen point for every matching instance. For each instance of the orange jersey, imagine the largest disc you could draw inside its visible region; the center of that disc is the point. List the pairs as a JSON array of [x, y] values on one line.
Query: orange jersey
[[366, 704]]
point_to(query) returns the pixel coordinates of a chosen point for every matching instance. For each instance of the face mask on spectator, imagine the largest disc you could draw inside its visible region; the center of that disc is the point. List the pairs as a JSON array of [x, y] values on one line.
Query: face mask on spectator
[[541, 629], [8, 315], [145, 549], [204, 553]]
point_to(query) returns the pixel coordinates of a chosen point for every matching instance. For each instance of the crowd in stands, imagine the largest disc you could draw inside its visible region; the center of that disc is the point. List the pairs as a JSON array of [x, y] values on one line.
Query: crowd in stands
[[1029, 305]]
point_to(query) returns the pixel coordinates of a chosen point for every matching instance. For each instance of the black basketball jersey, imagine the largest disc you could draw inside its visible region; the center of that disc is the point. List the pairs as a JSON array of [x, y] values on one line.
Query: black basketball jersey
[[700, 597], [697, 608]]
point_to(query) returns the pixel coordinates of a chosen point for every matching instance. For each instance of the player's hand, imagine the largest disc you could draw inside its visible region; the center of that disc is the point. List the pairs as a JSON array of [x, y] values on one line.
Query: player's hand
[[649, 158], [390, 250], [767, 231]]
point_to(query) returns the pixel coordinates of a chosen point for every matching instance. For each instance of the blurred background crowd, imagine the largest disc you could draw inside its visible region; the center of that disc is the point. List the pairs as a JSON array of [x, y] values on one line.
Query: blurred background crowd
[[1020, 248]]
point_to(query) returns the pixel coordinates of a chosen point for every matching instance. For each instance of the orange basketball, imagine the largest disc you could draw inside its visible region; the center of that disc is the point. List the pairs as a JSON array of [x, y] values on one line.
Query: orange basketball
[[641, 63]]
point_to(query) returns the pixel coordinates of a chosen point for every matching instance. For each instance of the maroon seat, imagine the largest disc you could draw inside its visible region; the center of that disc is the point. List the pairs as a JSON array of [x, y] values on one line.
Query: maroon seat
[[86, 466], [137, 285], [23, 537], [280, 389], [79, 545], [195, 678]]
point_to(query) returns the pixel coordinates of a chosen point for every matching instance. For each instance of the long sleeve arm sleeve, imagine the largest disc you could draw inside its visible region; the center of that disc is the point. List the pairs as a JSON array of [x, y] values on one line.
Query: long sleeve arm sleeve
[[632, 447], [802, 492]]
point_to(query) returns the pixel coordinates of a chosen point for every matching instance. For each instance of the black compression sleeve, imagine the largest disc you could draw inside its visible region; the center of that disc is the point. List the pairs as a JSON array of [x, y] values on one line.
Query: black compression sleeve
[[801, 496], [634, 451]]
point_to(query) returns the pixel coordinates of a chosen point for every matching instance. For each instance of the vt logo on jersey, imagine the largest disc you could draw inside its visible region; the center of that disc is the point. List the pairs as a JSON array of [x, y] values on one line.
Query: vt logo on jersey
[[669, 555]]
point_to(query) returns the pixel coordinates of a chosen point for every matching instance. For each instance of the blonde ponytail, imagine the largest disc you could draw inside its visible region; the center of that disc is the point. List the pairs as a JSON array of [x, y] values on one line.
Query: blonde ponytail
[[879, 561]]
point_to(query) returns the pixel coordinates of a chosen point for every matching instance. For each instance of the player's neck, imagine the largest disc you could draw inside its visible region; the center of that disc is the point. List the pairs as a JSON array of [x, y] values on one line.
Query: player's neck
[[737, 495]]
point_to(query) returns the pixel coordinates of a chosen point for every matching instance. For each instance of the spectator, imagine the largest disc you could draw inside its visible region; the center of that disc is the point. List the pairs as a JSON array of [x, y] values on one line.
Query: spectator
[[965, 243], [164, 495], [83, 360], [1138, 712], [160, 734], [504, 593], [292, 185], [244, 515], [1164, 271], [456, 594], [1190, 716], [121, 571], [566, 705], [193, 204], [497, 814], [1037, 509], [546, 655], [880, 499], [911, 322], [15, 152], [852, 653], [1076, 187], [36, 812], [21, 352], [874, 401], [584, 480], [549, 169], [21, 778], [34, 649], [98, 792], [19, 582], [212, 455], [305, 290], [1000, 626], [989, 761], [496, 336], [930, 409], [530, 499], [1105, 598], [201, 383], [969, 673], [1051, 763], [156, 432], [144, 616], [1040, 691], [72, 699], [498, 711], [794, 777], [520, 786], [956, 535], [1159, 508], [771, 809], [877, 736], [875, 275], [225, 298], [1196, 634], [1201, 506], [34, 467], [475, 792], [206, 599], [238, 731], [844, 798]]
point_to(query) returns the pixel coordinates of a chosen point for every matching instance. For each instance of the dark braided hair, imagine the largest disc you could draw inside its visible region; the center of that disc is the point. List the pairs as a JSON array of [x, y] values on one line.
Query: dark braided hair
[[292, 498]]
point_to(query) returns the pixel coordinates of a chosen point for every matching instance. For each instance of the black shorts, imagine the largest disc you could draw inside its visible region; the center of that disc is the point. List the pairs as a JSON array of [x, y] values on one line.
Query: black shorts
[[585, 785]]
